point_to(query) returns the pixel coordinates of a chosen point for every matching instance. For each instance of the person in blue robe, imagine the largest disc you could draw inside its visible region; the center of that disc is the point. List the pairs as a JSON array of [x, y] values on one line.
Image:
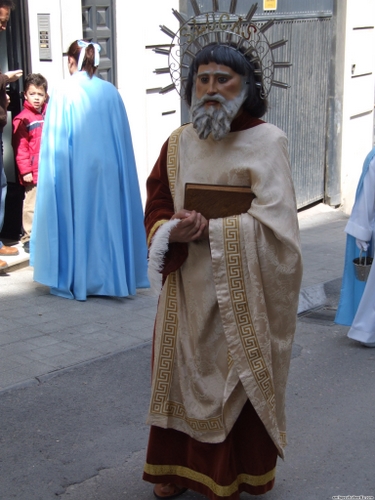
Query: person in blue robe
[[357, 299], [88, 236]]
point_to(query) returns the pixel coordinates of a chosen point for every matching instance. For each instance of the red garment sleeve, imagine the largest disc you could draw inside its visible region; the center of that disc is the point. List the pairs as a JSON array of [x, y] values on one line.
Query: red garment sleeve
[[21, 146], [159, 209], [4, 80]]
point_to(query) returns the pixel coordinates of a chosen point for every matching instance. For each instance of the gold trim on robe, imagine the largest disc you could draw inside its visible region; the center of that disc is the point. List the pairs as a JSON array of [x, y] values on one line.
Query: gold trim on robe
[[222, 491], [226, 318], [154, 228]]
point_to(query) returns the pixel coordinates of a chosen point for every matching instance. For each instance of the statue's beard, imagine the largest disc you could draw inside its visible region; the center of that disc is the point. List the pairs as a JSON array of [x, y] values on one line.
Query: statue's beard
[[215, 120]]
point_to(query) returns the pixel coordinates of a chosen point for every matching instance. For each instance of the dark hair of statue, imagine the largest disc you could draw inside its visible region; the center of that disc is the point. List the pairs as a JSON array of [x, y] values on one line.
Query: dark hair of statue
[[88, 60], [35, 79], [9, 4], [238, 62]]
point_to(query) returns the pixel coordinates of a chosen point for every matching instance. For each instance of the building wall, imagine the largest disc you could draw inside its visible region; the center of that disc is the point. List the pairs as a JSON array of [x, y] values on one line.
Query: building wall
[[135, 66], [358, 95], [66, 26], [153, 116]]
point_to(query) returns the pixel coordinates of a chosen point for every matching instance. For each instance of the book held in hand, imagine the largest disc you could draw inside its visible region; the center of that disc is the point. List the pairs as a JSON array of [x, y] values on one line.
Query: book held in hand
[[216, 201]]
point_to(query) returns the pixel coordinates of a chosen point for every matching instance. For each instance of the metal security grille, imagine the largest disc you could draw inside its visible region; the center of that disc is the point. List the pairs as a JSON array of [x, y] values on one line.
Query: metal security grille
[[302, 110], [98, 26]]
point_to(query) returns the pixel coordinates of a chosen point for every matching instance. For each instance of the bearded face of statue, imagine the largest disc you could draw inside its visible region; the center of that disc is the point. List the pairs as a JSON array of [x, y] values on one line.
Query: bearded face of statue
[[217, 97]]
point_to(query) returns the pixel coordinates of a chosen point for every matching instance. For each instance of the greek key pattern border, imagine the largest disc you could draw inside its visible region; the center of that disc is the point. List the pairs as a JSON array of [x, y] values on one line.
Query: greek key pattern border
[[237, 291], [160, 404], [172, 157], [167, 351], [177, 410]]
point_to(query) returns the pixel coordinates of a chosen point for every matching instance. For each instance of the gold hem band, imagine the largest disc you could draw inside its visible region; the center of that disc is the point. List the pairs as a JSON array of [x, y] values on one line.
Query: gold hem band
[[224, 491]]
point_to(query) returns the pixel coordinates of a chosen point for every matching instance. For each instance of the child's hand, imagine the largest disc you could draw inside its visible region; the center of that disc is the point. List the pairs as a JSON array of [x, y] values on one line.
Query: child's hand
[[28, 177]]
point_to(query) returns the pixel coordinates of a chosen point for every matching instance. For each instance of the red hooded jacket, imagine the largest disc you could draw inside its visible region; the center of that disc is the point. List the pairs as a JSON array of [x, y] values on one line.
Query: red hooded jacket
[[27, 134]]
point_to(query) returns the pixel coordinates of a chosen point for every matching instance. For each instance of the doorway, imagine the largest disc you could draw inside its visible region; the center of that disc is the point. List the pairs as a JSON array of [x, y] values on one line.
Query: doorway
[[14, 54], [98, 26]]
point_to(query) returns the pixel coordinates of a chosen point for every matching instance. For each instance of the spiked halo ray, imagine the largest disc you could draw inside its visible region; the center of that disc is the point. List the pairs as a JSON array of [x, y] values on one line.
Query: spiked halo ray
[[225, 28]]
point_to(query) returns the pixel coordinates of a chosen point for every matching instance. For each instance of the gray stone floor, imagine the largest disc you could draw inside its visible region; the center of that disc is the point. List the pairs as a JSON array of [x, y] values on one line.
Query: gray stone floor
[[41, 333], [323, 244]]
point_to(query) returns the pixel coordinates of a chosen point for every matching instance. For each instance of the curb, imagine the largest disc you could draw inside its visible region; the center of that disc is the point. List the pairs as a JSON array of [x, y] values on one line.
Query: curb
[[40, 379], [15, 263], [311, 297], [321, 294]]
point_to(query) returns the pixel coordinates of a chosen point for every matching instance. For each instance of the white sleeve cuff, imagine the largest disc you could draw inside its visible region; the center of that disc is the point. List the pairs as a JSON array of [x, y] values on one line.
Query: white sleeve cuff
[[158, 249]]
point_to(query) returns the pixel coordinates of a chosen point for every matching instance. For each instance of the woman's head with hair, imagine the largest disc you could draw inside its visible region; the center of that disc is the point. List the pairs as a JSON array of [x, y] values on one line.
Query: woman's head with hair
[[5, 7], [88, 62], [236, 60], [8, 4]]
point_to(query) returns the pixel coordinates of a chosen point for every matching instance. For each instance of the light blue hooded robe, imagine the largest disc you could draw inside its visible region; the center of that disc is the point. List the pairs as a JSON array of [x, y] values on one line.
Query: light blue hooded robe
[[88, 236], [352, 289]]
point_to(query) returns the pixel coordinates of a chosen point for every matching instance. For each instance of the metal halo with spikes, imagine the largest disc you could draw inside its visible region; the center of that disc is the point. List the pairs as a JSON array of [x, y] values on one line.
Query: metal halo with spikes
[[225, 28]]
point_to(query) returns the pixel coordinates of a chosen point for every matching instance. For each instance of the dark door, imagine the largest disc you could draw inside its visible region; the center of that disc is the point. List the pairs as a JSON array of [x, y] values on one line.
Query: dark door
[[14, 54], [98, 26]]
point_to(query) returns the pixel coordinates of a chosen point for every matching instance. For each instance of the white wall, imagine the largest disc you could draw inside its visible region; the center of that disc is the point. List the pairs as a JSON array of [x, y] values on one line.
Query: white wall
[[66, 26], [135, 66], [358, 104]]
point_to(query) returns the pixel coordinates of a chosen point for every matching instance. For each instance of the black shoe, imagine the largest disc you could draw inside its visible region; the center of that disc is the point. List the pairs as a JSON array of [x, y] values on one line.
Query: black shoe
[[26, 246]]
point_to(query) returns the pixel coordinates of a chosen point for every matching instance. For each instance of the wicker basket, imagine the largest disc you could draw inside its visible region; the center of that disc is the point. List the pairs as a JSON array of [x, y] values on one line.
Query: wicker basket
[[362, 266]]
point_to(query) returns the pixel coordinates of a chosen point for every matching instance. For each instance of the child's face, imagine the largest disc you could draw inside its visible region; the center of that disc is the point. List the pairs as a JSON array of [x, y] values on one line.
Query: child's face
[[35, 96]]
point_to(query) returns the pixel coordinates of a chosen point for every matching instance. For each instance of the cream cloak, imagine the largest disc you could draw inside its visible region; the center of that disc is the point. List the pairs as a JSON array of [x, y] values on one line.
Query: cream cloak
[[226, 318]]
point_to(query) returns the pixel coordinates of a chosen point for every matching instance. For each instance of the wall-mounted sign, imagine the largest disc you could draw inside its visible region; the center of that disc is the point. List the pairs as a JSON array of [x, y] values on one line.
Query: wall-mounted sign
[[44, 32], [269, 4]]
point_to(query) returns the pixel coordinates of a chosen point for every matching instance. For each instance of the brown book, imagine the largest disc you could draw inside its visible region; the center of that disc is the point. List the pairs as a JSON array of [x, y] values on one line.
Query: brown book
[[214, 201]]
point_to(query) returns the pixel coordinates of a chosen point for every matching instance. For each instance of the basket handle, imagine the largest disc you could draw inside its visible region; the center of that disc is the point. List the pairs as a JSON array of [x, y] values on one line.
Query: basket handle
[[360, 257]]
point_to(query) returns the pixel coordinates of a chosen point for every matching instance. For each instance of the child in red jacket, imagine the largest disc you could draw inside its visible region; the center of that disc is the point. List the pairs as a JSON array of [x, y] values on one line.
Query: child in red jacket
[[27, 133]]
